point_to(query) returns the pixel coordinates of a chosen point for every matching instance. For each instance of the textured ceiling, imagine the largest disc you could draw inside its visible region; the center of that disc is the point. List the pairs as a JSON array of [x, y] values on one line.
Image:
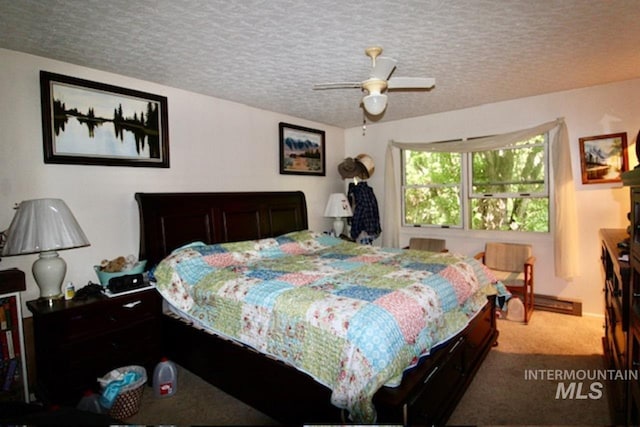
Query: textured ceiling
[[269, 53]]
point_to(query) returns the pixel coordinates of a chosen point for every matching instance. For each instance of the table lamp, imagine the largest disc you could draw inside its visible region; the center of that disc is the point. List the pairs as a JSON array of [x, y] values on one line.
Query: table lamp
[[45, 226], [338, 208]]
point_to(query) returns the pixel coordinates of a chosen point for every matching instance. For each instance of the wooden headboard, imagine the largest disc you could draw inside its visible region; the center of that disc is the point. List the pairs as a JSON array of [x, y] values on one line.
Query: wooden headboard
[[170, 220]]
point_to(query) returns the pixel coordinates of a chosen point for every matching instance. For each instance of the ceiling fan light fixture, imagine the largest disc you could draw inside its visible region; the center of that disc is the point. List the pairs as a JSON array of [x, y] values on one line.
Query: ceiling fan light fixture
[[375, 103], [379, 81]]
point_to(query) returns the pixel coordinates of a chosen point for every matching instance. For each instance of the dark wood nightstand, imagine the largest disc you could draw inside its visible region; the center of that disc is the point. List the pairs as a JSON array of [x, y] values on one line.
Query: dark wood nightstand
[[78, 341]]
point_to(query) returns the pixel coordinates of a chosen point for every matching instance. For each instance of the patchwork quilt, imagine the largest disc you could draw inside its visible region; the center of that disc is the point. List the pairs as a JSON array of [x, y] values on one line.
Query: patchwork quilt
[[352, 316]]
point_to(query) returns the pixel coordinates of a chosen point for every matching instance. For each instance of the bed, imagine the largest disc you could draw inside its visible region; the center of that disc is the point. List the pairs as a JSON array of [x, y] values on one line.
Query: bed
[[191, 238]]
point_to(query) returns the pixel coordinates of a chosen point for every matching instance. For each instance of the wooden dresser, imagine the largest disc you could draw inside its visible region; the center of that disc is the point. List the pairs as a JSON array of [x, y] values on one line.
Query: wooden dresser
[[632, 179], [77, 342], [616, 332]]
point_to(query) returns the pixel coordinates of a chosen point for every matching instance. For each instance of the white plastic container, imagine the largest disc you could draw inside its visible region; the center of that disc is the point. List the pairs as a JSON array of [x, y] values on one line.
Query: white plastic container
[[90, 402], [69, 291], [165, 378]]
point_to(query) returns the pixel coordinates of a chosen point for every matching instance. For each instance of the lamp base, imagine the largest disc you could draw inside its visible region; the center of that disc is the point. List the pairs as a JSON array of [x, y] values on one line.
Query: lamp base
[[338, 227], [49, 271]]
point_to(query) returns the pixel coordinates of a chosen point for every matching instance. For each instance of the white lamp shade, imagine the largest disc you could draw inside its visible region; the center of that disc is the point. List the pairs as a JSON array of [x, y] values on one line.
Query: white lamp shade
[[43, 225], [375, 103], [338, 206]]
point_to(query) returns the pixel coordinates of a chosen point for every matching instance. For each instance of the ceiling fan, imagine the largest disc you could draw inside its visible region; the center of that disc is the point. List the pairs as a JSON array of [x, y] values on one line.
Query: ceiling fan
[[379, 81]]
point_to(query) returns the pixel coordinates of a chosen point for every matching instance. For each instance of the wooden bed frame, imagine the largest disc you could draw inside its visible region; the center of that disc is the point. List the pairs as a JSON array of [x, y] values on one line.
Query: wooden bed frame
[[429, 392]]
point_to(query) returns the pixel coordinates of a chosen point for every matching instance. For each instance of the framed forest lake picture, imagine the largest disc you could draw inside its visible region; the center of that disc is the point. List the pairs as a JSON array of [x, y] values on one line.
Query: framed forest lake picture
[[302, 150], [91, 123]]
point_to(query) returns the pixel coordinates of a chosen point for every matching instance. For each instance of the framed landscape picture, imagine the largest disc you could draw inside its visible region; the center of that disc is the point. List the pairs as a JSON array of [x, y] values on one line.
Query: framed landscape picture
[[93, 123], [603, 158], [302, 150]]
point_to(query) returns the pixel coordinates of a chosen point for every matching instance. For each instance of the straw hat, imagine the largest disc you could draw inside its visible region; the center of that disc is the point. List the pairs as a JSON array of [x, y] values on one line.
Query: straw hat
[[367, 163]]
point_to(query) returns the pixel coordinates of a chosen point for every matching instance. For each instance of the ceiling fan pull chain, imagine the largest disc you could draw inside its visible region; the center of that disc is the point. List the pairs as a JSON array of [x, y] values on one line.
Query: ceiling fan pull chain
[[364, 123]]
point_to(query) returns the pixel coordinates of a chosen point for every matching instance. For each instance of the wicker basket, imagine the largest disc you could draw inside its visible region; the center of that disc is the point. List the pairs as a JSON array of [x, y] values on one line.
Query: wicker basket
[[127, 402]]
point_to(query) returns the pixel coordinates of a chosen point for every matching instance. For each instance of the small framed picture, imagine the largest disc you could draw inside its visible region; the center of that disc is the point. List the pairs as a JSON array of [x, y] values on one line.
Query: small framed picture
[[603, 158], [91, 123], [302, 150]]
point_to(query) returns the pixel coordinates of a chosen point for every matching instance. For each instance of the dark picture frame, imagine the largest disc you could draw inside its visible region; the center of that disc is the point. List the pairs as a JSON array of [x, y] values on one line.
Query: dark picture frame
[[302, 150], [91, 123], [603, 158]]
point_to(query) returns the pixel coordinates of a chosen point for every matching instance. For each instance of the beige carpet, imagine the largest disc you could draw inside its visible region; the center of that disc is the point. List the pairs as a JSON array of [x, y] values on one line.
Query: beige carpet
[[196, 403], [499, 395]]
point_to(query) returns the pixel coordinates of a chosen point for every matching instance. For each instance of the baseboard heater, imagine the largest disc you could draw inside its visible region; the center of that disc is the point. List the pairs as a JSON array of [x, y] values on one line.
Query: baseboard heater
[[558, 305]]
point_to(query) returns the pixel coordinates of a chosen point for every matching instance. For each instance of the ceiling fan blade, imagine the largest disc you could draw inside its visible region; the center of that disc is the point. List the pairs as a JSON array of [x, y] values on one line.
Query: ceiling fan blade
[[383, 68], [341, 85], [411, 83]]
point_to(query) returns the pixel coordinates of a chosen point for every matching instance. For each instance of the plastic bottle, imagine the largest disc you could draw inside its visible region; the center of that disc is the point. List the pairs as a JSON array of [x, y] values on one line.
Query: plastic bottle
[[90, 402], [69, 291], [165, 378]]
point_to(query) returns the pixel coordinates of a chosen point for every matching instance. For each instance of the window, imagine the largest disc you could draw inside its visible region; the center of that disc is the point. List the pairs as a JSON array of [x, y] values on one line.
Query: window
[[504, 189], [432, 188]]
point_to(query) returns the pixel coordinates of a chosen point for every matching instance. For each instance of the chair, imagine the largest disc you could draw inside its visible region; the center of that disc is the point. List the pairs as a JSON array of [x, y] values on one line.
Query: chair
[[427, 244], [512, 264]]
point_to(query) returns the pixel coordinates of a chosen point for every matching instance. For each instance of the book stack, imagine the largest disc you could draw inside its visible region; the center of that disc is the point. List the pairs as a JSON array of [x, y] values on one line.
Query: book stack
[[10, 349]]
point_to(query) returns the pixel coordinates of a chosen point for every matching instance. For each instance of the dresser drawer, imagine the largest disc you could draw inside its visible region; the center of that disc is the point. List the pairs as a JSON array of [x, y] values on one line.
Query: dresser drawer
[[105, 316], [617, 332], [478, 331], [110, 349], [445, 377]]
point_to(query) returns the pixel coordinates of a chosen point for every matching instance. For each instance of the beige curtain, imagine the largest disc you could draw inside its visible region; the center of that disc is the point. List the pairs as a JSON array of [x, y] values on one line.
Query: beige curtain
[[564, 227]]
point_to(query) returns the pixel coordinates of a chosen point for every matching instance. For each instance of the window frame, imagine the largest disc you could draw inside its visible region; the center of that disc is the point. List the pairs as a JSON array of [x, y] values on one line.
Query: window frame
[[403, 186], [467, 194]]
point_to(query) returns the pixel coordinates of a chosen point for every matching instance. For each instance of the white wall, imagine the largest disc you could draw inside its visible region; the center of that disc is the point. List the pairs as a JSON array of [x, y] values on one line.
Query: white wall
[[223, 146], [215, 145], [590, 111]]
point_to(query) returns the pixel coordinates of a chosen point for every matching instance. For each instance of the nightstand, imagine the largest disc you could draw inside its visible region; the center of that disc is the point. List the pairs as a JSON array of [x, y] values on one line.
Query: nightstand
[[78, 341]]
